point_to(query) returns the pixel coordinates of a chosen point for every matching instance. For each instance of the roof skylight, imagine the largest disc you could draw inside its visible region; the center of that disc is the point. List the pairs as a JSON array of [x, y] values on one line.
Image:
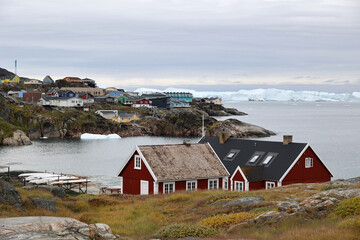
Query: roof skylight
[[230, 155], [254, 158], [268, 159]]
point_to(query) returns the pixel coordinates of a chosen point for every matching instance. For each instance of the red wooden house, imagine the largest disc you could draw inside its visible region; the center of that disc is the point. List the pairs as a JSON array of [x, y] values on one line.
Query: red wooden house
[[156, 169], [257, 164]]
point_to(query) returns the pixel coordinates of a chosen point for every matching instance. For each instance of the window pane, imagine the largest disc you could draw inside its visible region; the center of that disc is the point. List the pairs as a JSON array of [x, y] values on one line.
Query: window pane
[[254, 158], [267, 159]]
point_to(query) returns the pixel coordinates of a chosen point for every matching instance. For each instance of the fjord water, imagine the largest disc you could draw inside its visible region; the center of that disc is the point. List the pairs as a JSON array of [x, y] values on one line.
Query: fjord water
[[332, 128]]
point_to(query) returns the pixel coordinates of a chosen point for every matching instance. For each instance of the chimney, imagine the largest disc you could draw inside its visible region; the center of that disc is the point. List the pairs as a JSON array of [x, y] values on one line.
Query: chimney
[[287, 139], [187, 142], [224, 136]]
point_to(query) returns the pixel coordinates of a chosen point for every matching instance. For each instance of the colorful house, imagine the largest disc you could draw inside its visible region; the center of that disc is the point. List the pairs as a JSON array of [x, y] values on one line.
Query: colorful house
[[61, 101], [180, 96], [73, 80], [8, 79], [255, 164], [31, 96], [122, 99], [161, 169], [115, 94], [124, 117]]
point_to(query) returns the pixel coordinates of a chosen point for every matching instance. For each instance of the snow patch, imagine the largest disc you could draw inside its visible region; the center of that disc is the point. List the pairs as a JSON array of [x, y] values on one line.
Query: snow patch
[[271, 94], [89, 136]]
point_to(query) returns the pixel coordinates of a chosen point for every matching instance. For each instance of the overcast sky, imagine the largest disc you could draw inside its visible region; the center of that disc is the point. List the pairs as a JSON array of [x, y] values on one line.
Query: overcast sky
[[209, 44]]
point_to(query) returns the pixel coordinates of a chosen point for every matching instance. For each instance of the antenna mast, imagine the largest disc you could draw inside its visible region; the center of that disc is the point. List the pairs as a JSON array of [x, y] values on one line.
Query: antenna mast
[[203, 126], [15, 67]]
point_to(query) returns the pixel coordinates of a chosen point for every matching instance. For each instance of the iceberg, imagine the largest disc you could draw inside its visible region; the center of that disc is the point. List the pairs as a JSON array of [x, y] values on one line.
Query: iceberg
[[270, 94], [89, 136]]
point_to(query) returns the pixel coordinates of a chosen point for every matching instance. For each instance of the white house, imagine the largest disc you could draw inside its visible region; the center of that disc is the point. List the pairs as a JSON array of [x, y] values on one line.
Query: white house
[[61, 101]]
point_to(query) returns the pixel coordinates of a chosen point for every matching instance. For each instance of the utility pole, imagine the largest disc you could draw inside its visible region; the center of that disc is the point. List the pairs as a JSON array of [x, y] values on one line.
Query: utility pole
[[203, 126]]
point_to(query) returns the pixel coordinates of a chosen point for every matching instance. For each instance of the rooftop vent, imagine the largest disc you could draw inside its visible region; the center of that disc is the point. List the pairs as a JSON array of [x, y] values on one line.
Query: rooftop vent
[[287, 139], [187, 142]]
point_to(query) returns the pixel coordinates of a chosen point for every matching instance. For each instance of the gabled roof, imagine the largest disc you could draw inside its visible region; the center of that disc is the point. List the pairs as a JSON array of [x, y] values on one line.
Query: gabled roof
[[284, 156], [180, 161]]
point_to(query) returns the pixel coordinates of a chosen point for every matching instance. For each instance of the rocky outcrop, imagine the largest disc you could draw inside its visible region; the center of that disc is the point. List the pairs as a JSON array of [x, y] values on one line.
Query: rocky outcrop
[[19, 138], [55, 191], [9, 195], [41, 228], [218, 110], [47, 204], [239, 129], [242, 200]]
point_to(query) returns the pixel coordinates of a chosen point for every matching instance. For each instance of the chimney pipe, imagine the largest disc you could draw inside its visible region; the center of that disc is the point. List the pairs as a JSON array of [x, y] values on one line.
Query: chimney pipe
[[287, 139], [186, 142]]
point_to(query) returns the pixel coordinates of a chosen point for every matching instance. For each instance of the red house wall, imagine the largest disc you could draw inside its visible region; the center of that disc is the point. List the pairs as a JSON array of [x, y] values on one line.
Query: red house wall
[[300, 174], [238, 177], [257, 185], [202, 184], [132, 177]]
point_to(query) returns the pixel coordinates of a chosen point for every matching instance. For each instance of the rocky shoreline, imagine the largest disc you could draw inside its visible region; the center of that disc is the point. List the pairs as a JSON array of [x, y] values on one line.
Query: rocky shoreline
[[19, 124]]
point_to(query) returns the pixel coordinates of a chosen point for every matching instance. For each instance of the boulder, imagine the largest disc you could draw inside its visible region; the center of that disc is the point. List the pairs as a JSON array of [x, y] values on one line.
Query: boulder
[[50, 131], [242, 200], [41, 228], [47, 204], [340, 193], [287, 206], [270, 217], [19, 138], [55, 191], [9, 195]]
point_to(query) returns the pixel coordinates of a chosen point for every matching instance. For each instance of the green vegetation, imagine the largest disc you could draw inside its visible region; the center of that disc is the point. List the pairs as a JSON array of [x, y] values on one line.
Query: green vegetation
[[348, 207], [227, 220], [6, 129], [184, 230]]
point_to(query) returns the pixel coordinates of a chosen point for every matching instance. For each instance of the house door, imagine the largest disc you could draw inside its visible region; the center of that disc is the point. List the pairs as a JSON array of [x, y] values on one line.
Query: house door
[[144, 187]]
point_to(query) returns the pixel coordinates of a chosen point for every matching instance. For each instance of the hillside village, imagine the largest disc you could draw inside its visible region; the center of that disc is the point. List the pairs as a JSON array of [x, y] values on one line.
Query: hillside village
[[69, 107]]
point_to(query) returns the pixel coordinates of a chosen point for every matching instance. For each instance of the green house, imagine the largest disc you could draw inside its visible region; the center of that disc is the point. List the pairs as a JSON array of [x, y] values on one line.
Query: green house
[[122, 99]]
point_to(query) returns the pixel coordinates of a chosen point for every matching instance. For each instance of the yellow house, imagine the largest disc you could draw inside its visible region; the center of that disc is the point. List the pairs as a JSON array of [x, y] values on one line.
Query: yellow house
[[124, 117], [15, 79]]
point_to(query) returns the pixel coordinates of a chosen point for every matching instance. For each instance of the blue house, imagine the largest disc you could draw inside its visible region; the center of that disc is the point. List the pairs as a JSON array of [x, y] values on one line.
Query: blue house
[[115, 94], [65, 93], [180, 96], [21, 93]]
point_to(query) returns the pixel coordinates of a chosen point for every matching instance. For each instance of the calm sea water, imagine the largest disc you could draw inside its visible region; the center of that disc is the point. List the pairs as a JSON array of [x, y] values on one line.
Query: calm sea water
[[333, 129]]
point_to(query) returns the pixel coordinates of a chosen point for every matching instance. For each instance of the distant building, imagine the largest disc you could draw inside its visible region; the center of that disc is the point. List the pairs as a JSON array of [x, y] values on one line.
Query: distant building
[[139, 102], [159, 100], [124, 117], [61, 101], [122, 99], [180, 96], [33, 82], [96, 92], [10, 79], [89, 82], [179, 104], [115, 94], [73, 80], [48, 80], [107, 99], [65, 93], [110, 89], [52, 91], [31, 96], [88, 98]]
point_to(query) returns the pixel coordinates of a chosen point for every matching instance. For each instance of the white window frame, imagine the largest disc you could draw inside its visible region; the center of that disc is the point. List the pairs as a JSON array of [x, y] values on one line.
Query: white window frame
[[272, 185], [137, 157], [309, 162], [241, 183], [225, 183], [168, 183], [191, 182], [217, 184]]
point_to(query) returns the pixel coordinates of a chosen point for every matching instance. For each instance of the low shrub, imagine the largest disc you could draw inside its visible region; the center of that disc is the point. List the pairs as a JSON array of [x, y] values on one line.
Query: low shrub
[[350, 223], [348, 207], [184, 230], [178, 197], [78, 206], [227, 220]]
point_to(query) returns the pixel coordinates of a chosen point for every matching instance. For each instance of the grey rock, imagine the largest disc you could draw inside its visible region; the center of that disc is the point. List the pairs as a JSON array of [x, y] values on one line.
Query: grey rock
[[41, 228], [269, 217], [19, 138], [55, 191], [50, 131], [47, 204], [102, 231], [242, 200], [286, 206], [9, 194], [340, 193]]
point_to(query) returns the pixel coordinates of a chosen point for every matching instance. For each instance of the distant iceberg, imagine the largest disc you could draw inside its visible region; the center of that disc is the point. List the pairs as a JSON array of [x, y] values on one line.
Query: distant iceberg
[[89, 136], [271, 94]]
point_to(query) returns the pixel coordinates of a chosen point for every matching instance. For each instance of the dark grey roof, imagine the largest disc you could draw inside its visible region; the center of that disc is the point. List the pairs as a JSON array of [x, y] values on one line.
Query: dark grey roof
[[153, 95], [48, 79], [47, 98], [123, 114], [284, 156]]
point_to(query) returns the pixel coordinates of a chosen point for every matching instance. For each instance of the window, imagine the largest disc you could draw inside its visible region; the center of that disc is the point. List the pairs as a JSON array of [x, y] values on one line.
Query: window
[[169, 187], [309, 162], [270, 185], [239, 186], [137, 162], [230, 155], [225, 183], [213, 184], [254, 158], [191, 185], [267, 159]]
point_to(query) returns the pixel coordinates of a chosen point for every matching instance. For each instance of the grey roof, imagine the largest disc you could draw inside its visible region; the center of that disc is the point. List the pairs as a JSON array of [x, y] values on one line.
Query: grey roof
[[123, 114], [48, 79], [153, 95], [179, 161], [47, 98], [285, 155]]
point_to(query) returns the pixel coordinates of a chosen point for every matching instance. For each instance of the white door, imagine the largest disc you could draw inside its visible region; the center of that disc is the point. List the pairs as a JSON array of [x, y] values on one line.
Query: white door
[[144, 187]]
